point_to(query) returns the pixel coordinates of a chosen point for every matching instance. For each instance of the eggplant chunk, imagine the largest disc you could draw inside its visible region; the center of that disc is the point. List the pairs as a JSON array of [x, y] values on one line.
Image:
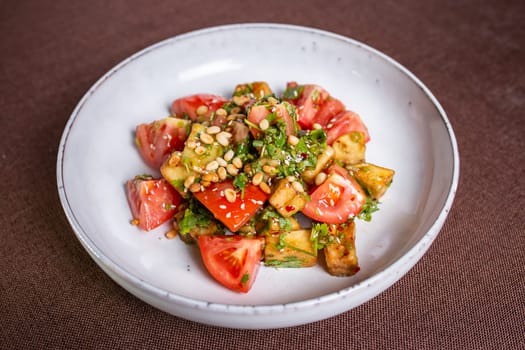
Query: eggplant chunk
[[290, 249], [350, 148], [323, 161], [180, 166], [256, 89], [288, 198], [340, 255], [373, 178]]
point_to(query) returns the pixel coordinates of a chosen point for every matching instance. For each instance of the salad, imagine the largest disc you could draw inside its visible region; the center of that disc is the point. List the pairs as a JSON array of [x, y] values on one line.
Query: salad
[[239, 172]]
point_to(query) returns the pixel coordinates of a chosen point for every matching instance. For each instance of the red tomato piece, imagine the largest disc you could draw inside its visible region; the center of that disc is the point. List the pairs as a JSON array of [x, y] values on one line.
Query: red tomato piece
[[152, 202], [312, 99], [188, 106], [328, 110], [260, 112], [345, 123], [236, 214], [232, 260], [337, 199], [157, 140]]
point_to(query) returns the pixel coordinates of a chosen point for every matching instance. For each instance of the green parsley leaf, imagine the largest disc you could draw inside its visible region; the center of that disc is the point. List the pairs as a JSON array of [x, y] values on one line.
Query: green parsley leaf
[[370, 206]]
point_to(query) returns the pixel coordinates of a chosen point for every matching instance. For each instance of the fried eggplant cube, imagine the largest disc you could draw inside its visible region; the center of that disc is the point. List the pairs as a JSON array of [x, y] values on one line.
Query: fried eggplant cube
[[350, 148], [255, 90], [290, 249], [196, 154], [323, 161], [373, 178], [340, 253], [288, 198]]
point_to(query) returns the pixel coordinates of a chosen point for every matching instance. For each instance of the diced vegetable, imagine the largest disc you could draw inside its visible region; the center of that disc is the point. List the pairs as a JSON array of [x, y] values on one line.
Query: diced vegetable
[[338, 199], [157, 140], [199, 107], [272, 113], [254, 90], [290, 249], [323, 161], [232, 260], [232, 213], [152, 201], [193, 159], [288, 198], [309, 103], [340, 254], [373, 178], [193, 220], [345, 123], [350, 148]]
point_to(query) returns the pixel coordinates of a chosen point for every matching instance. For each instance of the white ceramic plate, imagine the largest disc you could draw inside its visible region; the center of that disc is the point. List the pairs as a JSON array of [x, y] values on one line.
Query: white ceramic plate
[[409, 129]]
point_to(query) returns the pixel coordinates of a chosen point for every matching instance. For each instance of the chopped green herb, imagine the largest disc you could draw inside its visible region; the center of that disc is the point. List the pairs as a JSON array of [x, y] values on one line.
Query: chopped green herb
[[289, 261], [240, 182], [245, 278], [370, 206], [178, 184], [271, 214], [194, 216]]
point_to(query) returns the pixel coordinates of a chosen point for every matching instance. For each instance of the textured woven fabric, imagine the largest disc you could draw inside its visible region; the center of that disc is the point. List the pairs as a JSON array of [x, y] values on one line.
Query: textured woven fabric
[[467, 292]]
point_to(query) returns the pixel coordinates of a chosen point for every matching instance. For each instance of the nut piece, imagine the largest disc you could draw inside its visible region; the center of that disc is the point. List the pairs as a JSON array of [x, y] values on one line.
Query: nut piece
[[213, 165], [237, 162], [200, 150], [232, 170], [298, 187], [230, 195], [189, 181], [265, 188], [293, 140], [264, 124], [223, 138], [213, 130], [222, 173], [195, 187], [201, 110], [206, 138], [221, 112], [320, 178], [257, 179], [171, 234], [229, 155]]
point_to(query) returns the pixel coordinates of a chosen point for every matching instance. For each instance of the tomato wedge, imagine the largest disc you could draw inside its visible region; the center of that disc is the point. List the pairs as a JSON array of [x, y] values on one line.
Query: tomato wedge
[[232, 214], [260, 112], [328, 110], [152, 202], [189, 106], [312, 99], [232, 260], [345, 123], [338, 199], [157, 140]]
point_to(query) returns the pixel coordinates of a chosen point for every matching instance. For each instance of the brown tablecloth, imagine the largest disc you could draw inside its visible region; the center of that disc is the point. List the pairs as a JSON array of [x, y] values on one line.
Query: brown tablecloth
[[467, 292]]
